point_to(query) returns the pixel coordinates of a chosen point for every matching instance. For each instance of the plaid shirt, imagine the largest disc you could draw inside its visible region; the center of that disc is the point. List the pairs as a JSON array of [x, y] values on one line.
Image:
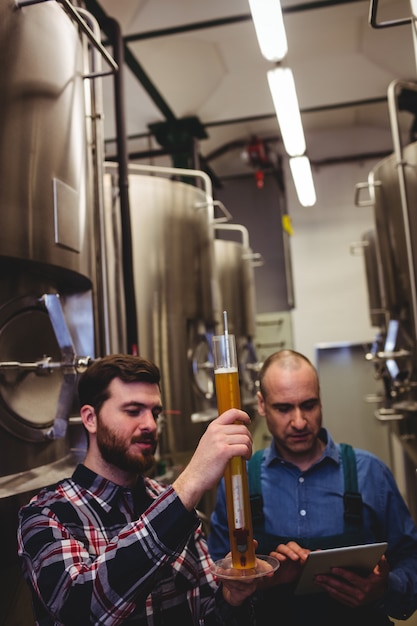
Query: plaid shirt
[[93, 552]]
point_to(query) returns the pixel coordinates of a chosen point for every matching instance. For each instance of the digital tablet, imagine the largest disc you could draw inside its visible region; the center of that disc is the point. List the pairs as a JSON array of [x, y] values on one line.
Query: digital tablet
[[363, 557]]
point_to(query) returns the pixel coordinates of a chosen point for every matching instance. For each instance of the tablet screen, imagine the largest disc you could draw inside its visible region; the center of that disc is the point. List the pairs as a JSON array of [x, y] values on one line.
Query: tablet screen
[[363, 557]]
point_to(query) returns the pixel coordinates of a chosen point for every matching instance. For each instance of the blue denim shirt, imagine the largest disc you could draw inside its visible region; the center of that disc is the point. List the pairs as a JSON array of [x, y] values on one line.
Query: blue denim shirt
[[301, 504]]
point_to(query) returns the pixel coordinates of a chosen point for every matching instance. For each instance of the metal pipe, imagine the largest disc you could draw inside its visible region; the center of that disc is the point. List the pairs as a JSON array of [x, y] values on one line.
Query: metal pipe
[[238, 228], [178, 171], [74, 13], [254, 257], [97, 130], [133, 64], [113, 28], [373, 9], [234, 19]]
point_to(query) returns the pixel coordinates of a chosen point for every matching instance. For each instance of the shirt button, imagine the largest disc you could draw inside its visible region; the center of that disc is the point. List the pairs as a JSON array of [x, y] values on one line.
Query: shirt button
[[303, 512], [301, 479]]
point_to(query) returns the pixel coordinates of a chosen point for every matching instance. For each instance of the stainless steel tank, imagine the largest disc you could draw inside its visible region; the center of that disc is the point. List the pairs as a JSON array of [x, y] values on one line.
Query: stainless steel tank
[[392, 186], [235, 262], [234, 265], [393, 190], [176, 294], [43, 160], [47, 262], [47, 240], [394, 193]]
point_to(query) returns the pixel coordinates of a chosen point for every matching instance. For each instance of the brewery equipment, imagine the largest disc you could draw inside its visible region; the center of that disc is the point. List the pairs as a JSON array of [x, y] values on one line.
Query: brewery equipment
[[391, 279], [176, 291], [62, 290], [51, 145], [235, 263]]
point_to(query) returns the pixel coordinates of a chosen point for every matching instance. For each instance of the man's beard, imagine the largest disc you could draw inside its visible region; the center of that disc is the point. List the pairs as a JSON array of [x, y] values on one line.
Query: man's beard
[[115, 452]]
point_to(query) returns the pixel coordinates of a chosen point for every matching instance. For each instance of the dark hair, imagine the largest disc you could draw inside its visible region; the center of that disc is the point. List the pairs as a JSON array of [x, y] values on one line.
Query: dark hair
[[286, 359], [94, 382]]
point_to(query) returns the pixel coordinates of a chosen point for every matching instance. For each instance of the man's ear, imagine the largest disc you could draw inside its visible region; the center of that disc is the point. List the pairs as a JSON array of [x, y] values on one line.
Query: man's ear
[[89, 418], [261, 403]]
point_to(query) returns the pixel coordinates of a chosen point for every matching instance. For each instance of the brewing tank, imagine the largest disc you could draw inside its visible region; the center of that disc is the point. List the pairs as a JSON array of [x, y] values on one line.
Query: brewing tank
[[393, 190], [391, 229], [234, 266], [47, 263], [235, 263], [47, 240], [43, 159], [176, 295]]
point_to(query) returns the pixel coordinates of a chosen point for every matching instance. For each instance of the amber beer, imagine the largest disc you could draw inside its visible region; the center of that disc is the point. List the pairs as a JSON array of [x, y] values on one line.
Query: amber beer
[[235, 477]]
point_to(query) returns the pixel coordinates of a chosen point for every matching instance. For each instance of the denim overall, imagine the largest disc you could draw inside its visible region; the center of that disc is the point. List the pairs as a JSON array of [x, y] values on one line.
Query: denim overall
[[279, 605]]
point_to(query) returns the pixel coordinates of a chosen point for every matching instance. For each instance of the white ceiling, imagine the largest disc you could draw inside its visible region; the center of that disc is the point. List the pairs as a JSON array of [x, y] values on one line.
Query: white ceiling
[[340, 65]]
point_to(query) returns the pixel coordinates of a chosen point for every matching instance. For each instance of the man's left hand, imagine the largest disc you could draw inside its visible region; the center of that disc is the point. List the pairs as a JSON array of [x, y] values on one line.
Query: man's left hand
[[352, 589], [236, 590]]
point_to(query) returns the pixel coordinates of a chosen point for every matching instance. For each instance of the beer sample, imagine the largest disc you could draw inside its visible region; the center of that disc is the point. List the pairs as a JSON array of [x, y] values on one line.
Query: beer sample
[[236, 480]]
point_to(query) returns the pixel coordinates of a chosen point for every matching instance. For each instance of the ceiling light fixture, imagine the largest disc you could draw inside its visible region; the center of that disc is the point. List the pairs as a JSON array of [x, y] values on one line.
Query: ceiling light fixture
[[284, 96], [303, 180], [269, 28], [270, 31]]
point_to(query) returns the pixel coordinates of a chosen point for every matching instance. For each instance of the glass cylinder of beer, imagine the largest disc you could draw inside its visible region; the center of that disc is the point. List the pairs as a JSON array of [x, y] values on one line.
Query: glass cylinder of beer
[[226, 378]]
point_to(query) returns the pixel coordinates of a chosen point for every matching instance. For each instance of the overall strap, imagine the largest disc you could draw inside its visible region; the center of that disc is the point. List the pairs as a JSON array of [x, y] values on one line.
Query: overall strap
[[255, 488], [352, 499]]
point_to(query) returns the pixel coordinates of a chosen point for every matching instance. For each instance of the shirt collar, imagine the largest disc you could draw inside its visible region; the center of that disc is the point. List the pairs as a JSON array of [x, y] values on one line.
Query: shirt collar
[[106, 493], [330, 451]]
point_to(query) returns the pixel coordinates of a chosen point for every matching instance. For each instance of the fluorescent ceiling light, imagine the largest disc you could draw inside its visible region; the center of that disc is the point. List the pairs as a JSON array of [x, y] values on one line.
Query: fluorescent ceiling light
[[270, 29], [303, 180], [284, 96]]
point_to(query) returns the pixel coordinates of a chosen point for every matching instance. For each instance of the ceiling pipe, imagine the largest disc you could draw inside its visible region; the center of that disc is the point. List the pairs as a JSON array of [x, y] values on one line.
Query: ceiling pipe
[[132, 63], [352, 158], [144, 154], [95, 8], [226, 21]]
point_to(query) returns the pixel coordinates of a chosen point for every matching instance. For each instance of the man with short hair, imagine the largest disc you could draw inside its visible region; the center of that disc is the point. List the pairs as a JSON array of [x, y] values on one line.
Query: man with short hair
[[310, 493]]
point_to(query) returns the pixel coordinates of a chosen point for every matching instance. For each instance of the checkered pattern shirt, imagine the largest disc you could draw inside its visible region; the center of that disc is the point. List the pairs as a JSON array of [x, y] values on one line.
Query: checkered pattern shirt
[[93, 552]]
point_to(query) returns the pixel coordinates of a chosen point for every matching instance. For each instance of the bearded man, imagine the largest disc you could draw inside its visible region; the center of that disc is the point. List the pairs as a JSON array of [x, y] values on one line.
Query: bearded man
[[112, 546]]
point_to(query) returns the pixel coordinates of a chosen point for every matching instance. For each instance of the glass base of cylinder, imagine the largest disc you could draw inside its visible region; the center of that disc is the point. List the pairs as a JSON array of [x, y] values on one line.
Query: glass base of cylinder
[[264, 565]]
